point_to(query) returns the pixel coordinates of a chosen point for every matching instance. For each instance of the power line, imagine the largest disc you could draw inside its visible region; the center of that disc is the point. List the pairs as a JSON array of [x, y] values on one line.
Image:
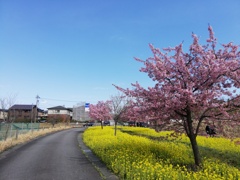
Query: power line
[[57, 100]]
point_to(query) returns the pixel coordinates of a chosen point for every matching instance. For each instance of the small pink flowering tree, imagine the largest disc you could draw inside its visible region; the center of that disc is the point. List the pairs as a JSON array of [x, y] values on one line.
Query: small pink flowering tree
[[111, 109], [189, 86], [101, 111]]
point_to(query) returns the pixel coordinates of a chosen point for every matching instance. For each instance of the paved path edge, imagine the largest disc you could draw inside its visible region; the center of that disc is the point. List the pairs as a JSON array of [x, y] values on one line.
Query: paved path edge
[[99, 165], [15, 147]]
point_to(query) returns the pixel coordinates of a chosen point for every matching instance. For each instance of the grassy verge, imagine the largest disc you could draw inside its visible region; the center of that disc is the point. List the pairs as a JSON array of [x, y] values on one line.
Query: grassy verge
[[10, 142]]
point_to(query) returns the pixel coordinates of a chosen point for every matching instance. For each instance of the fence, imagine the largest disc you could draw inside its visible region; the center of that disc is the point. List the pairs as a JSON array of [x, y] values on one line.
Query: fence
[[8, 130]]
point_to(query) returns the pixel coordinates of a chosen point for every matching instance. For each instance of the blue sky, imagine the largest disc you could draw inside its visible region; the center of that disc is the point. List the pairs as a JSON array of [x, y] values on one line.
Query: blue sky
[[72, 51]]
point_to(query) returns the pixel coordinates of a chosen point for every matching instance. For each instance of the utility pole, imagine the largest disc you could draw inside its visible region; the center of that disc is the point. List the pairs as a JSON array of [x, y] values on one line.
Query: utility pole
[[37, 101]]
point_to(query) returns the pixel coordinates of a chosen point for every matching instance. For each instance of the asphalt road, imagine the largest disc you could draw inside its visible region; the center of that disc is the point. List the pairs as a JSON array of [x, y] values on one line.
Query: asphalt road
[[53, 157]]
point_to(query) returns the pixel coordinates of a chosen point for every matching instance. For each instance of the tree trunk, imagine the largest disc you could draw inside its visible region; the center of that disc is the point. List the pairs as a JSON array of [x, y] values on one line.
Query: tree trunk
[[195, 149], [193, 140], [101, 124], [115, 131], [6, 133]]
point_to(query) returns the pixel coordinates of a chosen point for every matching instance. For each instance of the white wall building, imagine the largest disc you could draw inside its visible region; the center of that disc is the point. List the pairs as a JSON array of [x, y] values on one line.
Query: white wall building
[[60, 112], [80, 113], [3, 114]]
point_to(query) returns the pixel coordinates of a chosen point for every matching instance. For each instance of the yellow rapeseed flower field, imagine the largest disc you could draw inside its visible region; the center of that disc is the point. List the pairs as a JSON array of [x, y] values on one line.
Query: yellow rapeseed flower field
[[143, 154]]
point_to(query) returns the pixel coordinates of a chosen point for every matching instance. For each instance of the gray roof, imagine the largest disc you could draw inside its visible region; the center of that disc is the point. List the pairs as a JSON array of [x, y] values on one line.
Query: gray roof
[[4, 110], [23, 106], [60, 108]]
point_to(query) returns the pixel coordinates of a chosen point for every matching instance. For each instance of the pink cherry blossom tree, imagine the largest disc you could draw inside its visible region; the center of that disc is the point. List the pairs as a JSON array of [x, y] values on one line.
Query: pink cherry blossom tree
[[134, 113], [190, 87], [111, 109], [101, 111]]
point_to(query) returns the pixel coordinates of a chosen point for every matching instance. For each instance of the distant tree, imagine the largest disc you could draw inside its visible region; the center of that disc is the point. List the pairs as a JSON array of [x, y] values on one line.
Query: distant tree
[[189, 86], [118, 105], [54, 119], [101, 111], [111, 109]]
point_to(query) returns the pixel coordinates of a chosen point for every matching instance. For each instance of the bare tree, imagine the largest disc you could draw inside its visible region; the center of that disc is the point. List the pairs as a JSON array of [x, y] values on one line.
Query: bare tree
[[118, 105]]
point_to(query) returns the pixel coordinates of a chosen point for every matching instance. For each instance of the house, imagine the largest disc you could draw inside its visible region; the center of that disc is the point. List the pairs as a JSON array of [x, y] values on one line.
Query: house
[[23, 113], [59, 114], [42, 115], [3, 115]]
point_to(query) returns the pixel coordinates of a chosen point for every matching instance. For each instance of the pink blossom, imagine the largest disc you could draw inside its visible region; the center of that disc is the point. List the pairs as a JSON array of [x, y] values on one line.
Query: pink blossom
[[187, 84]]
